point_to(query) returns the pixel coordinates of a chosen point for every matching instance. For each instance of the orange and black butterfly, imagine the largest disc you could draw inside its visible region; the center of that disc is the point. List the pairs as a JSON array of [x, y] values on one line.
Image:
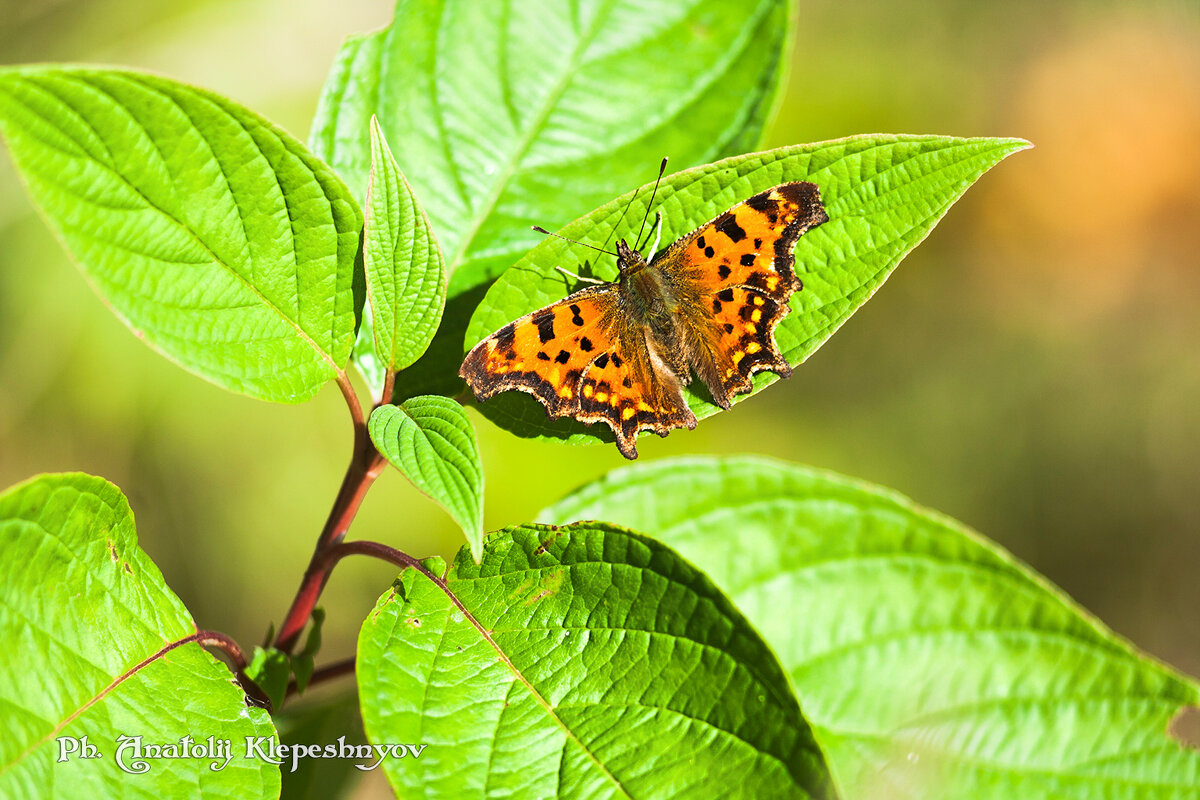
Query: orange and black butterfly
[[708, 306]]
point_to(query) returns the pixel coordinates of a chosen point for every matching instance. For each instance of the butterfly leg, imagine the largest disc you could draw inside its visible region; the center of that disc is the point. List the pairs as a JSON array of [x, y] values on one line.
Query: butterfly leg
[[578, 277]]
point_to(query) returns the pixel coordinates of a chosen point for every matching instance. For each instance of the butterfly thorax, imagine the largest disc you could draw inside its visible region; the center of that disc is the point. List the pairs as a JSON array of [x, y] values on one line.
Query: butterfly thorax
[[649, 300]]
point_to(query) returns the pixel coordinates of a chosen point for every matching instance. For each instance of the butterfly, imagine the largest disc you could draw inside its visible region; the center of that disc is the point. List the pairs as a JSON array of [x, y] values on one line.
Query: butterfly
[[619, 353]]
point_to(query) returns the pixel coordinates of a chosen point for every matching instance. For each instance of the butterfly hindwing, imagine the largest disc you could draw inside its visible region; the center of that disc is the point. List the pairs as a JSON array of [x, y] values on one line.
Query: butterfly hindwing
[[628, 391], [740, 267]]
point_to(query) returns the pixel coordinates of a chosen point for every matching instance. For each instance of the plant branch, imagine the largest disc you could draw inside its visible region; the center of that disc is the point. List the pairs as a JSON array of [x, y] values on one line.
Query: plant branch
[[365, 465]]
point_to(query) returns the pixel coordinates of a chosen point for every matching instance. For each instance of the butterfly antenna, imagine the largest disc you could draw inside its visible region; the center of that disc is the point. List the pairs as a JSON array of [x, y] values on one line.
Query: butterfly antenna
[[565, 239], [661, 169]]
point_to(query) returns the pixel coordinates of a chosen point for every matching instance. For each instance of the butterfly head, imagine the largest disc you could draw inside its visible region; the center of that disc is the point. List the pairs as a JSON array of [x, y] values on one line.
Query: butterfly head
[[629, 261]]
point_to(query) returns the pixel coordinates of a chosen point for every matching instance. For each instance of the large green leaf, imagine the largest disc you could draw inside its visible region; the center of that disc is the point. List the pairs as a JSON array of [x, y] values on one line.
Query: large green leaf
[[585, 661], [214, 235], [432, 442], [511, 114], [883, 195], [81, 605], [930, 662], [406, 278]]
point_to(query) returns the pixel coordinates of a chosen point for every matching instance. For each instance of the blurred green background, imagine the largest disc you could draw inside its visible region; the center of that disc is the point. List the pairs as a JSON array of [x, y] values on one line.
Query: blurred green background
[[1032, 369]]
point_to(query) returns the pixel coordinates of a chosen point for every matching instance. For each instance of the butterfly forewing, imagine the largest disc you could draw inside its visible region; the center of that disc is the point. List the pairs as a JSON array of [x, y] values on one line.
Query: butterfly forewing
[[545, 353]]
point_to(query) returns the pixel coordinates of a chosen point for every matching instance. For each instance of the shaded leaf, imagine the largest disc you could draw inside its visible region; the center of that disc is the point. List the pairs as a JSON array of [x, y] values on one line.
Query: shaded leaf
[[929, 661], [432, 442], [270, 669], [334, 721], [883, 195], [81, 605], [213, 234], [585, 661]]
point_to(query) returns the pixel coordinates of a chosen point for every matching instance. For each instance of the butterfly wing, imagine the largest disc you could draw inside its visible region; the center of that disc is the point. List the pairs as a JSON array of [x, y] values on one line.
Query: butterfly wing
[[581, 357], [735, 276]]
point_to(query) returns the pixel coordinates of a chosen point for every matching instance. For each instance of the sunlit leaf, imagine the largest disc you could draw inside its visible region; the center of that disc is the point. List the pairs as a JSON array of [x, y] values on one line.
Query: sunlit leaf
[[585, 661], [214, 235], [432, 442], [82, 612], [929, 662], [406, 279]]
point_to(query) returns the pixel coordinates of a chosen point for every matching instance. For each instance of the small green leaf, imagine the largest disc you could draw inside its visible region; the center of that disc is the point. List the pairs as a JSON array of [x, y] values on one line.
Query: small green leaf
[[213, 234], [302, 662], [406, 279], [883, 195], [929, 661], [83, 613], [508, 115], [271, 670], [585, 661], [431, 440]]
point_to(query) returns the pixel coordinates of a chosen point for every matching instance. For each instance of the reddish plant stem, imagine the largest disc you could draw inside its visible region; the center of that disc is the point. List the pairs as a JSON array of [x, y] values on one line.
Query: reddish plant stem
[[365, 465]]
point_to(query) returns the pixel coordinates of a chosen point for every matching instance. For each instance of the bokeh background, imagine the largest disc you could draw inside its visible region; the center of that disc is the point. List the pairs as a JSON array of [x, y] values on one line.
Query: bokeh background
[[1032, 369]]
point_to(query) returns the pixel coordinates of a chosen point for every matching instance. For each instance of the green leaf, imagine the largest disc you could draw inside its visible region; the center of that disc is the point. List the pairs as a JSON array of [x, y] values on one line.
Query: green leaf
[[213, 234], [302, 662], [270, 669], [883, 194], [83, 614], [515, 114], [585, 661], [406, 279], [929, 661], [432, 442]]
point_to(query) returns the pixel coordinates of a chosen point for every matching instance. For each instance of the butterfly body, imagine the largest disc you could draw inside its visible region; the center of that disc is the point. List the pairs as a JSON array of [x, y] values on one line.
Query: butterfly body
[[620, 352]]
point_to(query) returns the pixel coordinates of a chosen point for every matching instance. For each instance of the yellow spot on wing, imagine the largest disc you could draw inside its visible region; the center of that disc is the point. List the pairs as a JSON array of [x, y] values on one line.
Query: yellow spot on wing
[[772, 282], [756, 315], [587, 390], [601, 397], [748, 327], [565, 392], [738, 355], [627, 412], [753, 347], [758, 301]]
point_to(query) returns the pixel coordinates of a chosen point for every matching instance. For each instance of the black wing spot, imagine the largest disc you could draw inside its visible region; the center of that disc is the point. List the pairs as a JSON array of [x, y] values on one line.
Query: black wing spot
[[726, 295], [724, 270], [716, 306], [544, 320], [728, 329], [505, 337], [510, 355], [562, 357], [700, 242], [728, 226], [543, 356], [709, 252], [585, 344], [748, 260], [602, 361], [628, 384], [761, 202], [616, 359], [757, 243]]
